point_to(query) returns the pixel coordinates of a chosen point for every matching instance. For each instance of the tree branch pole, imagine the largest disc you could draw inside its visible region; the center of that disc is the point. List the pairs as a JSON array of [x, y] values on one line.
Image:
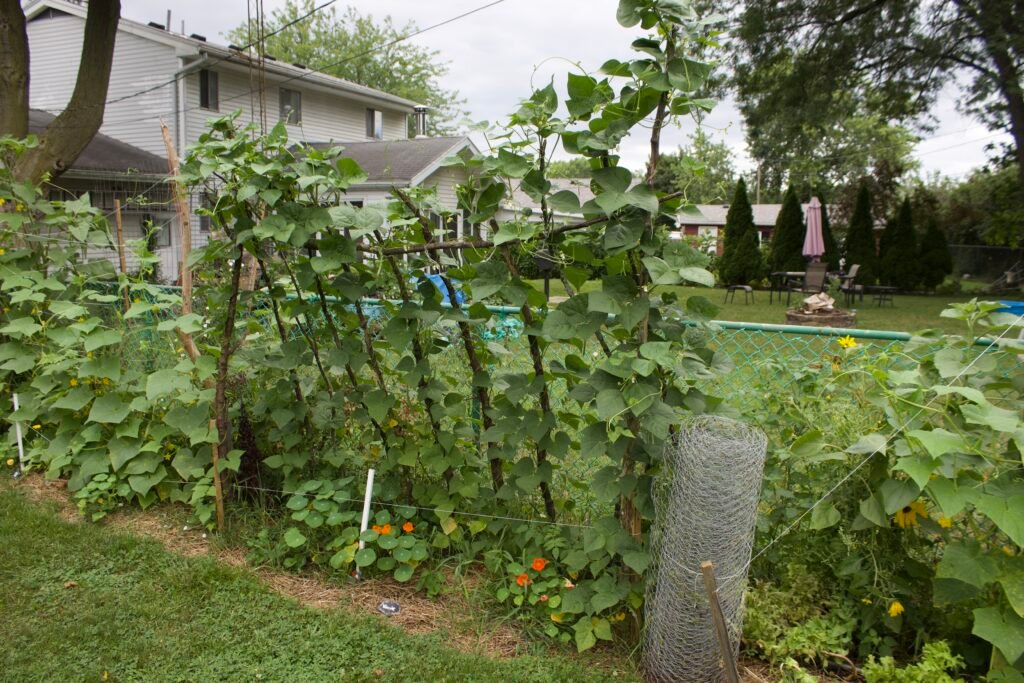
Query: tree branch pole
[[218, 488], [538, 373], [497, 477], [120, 250], [308, 334], [282, 333], [220, 402], [417, 347]]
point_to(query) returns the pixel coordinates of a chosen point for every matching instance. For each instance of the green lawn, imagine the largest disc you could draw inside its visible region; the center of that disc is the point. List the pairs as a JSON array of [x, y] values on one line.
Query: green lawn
[[910, 313], [143, 614]]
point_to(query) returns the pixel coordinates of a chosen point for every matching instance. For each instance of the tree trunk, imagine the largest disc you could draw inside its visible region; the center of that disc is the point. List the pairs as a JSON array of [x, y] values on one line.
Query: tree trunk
[[70, 133], [14, 75]]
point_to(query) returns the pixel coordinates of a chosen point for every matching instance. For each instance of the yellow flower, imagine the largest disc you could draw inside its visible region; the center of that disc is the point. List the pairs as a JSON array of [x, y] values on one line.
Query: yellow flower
[[2, 201], [1008, 550], [167, 456], [621, 616], [2, 251], [37, 426], [73, 382], [895, 608], [866, 601], [847, 342], [557, 617], [907, 516], [106, 380], [10, 461], [19, 207], [945, 522], [88, 354]]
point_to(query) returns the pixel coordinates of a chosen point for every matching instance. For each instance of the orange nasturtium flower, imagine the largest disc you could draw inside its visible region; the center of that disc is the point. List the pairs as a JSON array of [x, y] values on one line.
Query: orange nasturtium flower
[[538, 564], [522, 580], [907, 516], [376, 528], [386, 529], [895, 608], [407, 527]]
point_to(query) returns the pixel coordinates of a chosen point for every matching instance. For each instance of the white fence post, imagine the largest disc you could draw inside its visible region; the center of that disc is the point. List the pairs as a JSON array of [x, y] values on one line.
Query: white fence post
[[366, 512], [21, 445]]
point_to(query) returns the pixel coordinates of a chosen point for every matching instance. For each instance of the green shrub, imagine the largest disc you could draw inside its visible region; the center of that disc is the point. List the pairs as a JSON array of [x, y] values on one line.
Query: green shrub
[[934, 260]]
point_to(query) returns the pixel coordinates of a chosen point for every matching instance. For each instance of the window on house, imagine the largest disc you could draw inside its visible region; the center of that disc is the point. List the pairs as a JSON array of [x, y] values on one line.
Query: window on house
[[291, 106], [375, 124], [209, 90], [159, 235]]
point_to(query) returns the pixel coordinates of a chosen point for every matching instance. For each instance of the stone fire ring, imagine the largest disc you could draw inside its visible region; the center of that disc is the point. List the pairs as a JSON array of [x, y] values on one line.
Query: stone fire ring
[[835, 318]]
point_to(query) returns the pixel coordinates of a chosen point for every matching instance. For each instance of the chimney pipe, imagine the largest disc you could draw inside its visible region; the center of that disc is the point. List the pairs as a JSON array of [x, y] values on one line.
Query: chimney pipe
[[168, 24], [420, 119]]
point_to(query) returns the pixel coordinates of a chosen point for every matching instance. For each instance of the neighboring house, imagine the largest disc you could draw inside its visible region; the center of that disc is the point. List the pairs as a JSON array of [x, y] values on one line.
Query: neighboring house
[[109, 168], [185, 80], [521, 204], [708, 220]]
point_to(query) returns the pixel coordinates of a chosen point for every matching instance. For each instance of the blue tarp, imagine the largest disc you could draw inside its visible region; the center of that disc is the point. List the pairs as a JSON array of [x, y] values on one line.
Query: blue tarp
[[1012, 307], [460, 297]]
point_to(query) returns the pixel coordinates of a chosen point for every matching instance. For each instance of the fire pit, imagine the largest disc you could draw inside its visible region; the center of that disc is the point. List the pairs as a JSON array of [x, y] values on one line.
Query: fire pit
[[819, 310]]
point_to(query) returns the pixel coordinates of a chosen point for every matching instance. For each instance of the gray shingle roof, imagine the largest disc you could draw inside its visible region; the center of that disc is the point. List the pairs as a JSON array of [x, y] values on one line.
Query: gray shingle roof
[[397, 161], [104, 153], [714, 214]]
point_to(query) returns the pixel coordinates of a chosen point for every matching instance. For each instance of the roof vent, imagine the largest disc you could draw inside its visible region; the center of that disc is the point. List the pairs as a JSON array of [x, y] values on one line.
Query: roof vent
[[301, 66], [155, 25], [234, 47], [196, 36]]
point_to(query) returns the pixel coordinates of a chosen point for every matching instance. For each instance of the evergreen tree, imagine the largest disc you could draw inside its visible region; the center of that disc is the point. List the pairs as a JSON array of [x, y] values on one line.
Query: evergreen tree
[[934, 259], [788, 237], [899, 250], [860, 239], [741, 256]]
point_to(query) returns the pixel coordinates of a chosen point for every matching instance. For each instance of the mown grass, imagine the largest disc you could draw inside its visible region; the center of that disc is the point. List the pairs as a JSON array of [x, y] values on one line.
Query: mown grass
[[139, 613], [910, 313]]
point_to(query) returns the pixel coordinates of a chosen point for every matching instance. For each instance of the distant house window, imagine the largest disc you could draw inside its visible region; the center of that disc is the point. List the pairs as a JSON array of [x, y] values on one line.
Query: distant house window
[[209, 90], [375, 124], [291, 106], [159, 235]]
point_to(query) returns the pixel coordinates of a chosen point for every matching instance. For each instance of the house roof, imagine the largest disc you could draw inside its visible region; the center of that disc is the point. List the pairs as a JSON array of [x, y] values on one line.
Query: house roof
[[105, 154], [189, 47], [401, 162], [579, 186], [714, 214]]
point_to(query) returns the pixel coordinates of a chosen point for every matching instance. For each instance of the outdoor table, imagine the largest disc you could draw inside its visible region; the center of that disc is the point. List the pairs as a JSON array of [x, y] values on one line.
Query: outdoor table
[[882, 294], [777, 281]]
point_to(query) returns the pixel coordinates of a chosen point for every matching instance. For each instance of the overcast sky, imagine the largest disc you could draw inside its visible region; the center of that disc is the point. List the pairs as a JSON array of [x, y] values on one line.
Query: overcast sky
[[493, 55]]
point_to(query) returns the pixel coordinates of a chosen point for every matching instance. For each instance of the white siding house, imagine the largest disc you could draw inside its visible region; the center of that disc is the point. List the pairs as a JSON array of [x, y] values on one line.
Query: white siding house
[[158, 74]]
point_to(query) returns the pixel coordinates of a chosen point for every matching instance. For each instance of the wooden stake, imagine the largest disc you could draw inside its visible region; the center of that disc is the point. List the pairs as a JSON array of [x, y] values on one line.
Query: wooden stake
[[183, 221], [120, 249], [218, 492], [724, 646]]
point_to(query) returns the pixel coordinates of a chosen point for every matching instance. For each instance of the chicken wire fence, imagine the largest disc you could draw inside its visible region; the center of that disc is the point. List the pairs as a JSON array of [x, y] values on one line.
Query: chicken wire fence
[[705, 511]]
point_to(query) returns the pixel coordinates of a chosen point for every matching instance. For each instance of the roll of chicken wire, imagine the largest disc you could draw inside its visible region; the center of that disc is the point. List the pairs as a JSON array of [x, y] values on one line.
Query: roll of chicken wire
[[706, 508]]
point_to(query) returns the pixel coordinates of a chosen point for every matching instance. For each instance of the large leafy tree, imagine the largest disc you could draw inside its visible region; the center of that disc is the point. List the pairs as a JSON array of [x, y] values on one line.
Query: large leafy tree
[[860, 239], [360, 49], [788, 236], [741, 261], [899, 250], [575, 167], [832, 254], [805, 63], [72, 130], [702, 168]]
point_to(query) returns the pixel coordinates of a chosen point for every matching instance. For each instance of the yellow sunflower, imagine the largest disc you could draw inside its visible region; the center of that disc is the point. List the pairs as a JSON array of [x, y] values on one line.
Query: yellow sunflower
[[847, 342], [907, 516]]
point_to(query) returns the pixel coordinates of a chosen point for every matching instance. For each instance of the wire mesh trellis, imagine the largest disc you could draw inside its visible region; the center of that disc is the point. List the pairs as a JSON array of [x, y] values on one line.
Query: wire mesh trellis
[[706, 508]]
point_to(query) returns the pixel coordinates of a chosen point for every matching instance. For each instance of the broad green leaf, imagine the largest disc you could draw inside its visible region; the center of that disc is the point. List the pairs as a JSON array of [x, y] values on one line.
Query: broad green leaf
[[637, 560], [967, 563], [21, 327], [403, 573], [939, 441], [919, 467], [1002, 628], [661, 272], [810, 443], [100, 338], [564, 202], [869, 443], [164, 382], [108, 409], [824, 516], [294, 538], [1007, 513], [76, 399], [365, 557]]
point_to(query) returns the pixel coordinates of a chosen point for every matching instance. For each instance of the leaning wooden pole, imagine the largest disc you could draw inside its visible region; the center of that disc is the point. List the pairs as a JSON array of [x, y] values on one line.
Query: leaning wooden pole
[[707, 570], [185, 238], [120, 249], [218, 490]]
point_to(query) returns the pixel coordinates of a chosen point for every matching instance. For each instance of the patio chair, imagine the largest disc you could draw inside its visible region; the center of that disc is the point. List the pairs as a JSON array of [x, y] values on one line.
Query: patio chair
[[849, 286], [813, 282]]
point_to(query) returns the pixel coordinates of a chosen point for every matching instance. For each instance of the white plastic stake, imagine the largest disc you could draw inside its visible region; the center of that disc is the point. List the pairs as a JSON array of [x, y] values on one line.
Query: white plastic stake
[[21, 445], [366, 507]]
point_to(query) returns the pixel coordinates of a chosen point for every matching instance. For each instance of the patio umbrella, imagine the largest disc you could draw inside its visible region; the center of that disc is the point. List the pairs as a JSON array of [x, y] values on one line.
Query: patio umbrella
[[814, 243]]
